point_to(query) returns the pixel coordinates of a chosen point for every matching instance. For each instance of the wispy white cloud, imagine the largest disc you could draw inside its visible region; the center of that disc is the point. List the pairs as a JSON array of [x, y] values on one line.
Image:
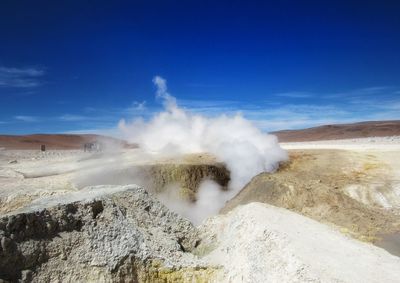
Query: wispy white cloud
[[271, 117], [372, 103], [278, 116], [140, 106], [20, 77], [25, 118], [211, 107], [72, 118], [206, 103], [94, 117], [297, 116], [358, 93], [295, 94], [372, 90], [32, 72]]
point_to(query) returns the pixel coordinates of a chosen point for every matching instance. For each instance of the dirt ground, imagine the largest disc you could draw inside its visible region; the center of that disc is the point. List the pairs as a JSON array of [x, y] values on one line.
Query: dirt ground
[[57, 141], [357, 191], [316, 182], [27, 175]]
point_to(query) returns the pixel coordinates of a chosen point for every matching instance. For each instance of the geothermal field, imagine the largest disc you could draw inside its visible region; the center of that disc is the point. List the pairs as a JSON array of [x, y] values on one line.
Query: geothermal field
[[182, 197], [199, 141], [220, 211]]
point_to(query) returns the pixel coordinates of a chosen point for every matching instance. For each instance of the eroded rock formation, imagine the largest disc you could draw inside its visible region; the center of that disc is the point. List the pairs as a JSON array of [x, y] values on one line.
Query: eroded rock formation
[[106, 234]]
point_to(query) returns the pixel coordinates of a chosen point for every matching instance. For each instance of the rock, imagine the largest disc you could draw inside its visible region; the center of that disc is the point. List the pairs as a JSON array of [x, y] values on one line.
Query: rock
[[13, 162], [156, 177], [102, 233], [188, 176], [297, 186], [262, 243]]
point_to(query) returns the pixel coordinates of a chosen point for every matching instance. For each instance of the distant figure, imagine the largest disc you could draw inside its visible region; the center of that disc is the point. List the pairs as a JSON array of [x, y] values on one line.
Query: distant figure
[[91, 146], [43, 147], [87, 147]]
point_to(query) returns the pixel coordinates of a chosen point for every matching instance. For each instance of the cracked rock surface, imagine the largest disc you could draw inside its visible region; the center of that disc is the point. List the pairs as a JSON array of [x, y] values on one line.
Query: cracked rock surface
[[103, 234]]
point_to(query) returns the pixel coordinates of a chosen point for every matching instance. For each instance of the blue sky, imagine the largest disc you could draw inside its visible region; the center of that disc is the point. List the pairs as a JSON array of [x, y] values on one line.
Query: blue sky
[[70, 66]]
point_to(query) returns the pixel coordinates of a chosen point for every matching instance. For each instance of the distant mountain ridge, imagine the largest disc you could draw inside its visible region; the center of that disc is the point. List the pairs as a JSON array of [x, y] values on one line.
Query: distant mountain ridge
[[55, 141], [341, 131], [326, 132]]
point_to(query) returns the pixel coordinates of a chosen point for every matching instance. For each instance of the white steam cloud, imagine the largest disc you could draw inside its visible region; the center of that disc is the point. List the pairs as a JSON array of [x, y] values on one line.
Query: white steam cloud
[[169, 100], [244, 149]]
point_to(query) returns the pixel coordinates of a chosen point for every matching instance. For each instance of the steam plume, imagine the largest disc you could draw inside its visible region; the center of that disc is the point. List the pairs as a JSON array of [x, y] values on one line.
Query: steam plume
[[244, 149]]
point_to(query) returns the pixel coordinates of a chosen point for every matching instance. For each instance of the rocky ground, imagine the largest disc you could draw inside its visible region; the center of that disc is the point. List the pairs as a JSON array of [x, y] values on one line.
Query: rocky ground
[[99, 234], [57, 141], [262, 243], [26, 175], [57, 225], [122, 233], [351, 184]]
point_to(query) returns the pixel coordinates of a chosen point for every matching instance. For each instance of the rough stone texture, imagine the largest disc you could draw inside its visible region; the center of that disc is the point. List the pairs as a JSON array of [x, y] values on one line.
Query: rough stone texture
[[262, 243], [55, 173], [188, 176], [314, 182], [106, 234]]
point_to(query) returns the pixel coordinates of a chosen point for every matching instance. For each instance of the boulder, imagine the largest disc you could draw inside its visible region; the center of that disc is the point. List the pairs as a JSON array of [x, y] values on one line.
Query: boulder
[[102, 234]]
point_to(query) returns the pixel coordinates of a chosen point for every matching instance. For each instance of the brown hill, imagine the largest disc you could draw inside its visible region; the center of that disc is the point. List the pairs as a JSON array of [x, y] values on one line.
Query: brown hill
[[342, 131], [55, 141], [327, 132]]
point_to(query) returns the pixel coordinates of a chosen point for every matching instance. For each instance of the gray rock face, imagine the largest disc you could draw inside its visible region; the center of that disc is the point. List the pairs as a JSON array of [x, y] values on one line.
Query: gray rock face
[[126, 235]]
